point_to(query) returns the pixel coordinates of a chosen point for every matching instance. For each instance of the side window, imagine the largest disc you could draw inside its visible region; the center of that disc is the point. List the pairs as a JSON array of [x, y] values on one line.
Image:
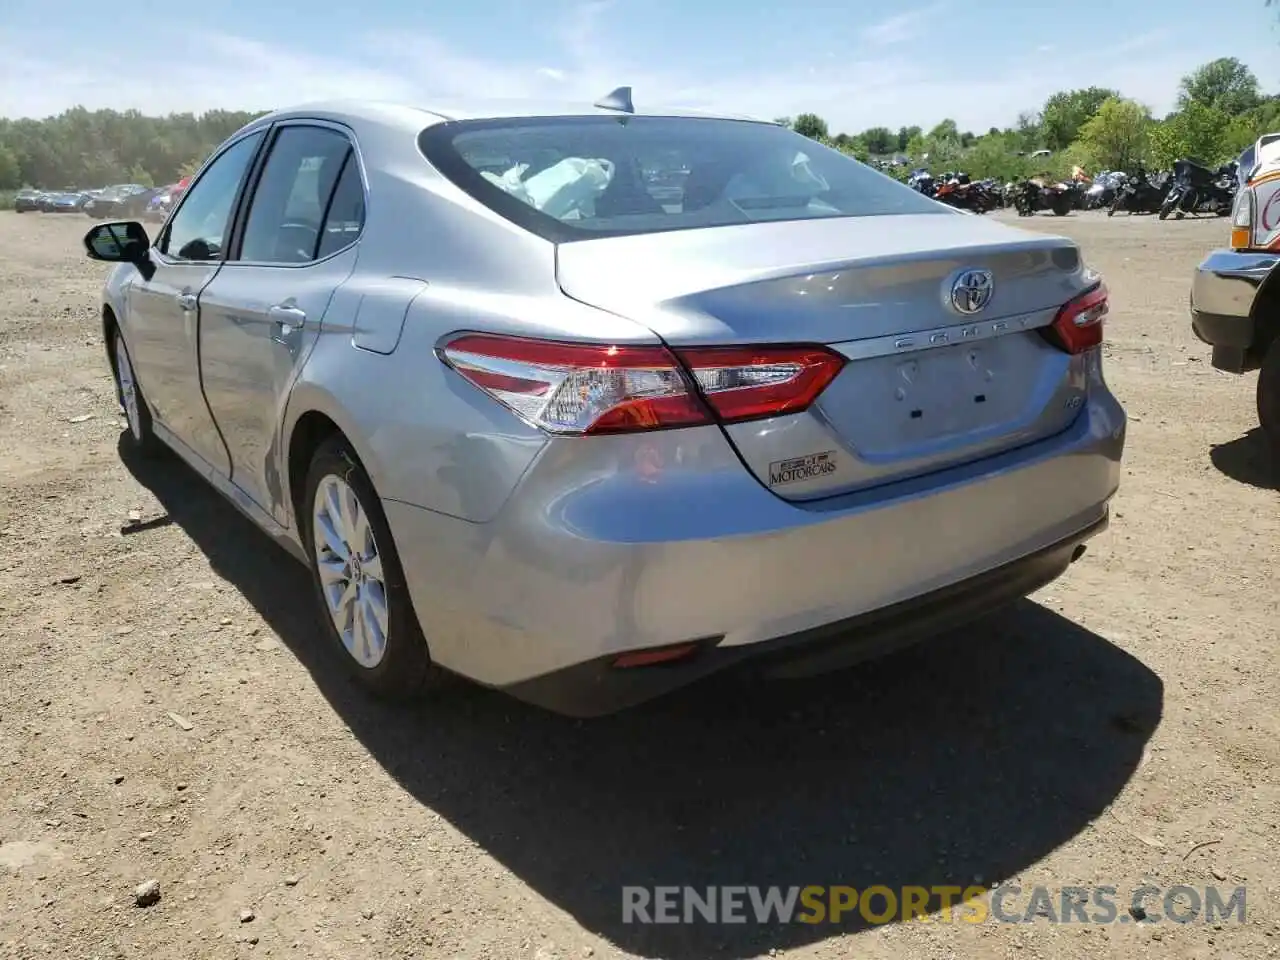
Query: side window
[[199, 227], [286, 217], [346, 210]]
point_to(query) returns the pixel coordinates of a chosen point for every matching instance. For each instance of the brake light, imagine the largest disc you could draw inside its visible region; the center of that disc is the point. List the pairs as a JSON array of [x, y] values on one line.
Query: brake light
[[576, 389], [1078, 325], [579, 388], [749, 383]]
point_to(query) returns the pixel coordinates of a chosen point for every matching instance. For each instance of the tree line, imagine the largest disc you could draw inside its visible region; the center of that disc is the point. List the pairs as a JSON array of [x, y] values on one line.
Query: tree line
[[82, 148], [1220, 110]]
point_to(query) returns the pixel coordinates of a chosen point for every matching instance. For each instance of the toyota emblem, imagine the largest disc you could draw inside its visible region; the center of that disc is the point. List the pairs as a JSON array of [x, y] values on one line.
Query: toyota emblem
[[971, 291]]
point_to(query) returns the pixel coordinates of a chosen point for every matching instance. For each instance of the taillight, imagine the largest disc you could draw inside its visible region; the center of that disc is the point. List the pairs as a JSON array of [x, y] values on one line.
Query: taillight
[[579, 388], [573, 388], [749, 383], [1078, 325]]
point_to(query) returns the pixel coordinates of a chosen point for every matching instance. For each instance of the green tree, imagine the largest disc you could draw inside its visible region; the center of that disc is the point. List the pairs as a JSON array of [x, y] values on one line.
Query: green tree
[[782, 121], [1225, 83], [1116, 137], [811, 125], [995, 156], [1065, 113], [138, 174], [10, 172], [880, 140], [85, 148], [1027, 132], [906, 135], [946, 130], [1196, 131]]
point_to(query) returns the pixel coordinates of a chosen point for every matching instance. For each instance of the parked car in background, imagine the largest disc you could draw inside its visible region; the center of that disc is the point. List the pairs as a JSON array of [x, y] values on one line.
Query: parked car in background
[[122, 200], [1235, 292], [601, 444], [67, 202], [161, 202], [27, 201]]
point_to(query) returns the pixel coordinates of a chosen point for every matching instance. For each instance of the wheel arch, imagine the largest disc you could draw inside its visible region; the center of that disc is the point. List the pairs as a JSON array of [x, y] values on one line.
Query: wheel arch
[[109, 327], [1265, 312], [313, 417]]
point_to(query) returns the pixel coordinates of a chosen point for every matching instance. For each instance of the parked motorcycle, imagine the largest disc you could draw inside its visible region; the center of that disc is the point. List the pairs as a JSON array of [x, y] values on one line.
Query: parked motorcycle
[[1102, 192], [1140, 194], [922, 181], [1032, 196], [957, 191], [1198, 189]]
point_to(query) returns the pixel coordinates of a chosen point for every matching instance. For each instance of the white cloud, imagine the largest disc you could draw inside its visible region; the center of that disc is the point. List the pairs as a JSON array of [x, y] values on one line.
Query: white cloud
[[899, 28], [888, 85]]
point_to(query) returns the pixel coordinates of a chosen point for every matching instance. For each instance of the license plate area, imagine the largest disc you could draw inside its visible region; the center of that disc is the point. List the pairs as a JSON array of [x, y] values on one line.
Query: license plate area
[[919, 403]]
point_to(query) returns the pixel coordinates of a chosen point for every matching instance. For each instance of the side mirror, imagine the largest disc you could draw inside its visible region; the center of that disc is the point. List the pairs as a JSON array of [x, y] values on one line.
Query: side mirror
[[120, 242]]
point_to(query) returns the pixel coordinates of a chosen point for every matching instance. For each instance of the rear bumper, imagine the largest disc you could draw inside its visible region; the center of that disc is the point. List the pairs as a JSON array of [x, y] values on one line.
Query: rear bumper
[[602, 549], [597, 687], [1223, 290]]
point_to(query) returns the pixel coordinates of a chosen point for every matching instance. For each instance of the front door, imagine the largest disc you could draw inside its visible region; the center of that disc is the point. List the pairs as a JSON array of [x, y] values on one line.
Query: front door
[[260, 316], [163, 315]]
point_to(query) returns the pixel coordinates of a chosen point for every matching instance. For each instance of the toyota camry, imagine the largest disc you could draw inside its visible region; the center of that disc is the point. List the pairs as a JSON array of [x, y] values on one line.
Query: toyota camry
[[587, 402]]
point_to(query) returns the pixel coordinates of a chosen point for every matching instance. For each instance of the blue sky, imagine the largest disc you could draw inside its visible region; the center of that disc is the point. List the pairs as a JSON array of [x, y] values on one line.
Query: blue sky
[[856, 64]]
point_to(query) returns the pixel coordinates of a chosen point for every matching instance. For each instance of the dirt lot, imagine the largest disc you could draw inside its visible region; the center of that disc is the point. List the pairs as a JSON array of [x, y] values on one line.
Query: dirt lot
[[166, 712]]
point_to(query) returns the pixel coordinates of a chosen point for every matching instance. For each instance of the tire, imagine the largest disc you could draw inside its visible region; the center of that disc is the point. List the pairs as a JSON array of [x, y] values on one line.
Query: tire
[[402, 668], [141, 437], [1269, 397], [1166, 208], [1061, 205]]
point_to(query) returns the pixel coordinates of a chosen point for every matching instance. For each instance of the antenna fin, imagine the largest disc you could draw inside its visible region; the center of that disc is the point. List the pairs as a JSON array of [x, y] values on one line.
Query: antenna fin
[[619, 99]]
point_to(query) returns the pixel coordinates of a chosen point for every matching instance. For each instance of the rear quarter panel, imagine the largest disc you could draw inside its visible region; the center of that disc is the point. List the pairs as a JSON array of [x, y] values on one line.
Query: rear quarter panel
[[433, 263]]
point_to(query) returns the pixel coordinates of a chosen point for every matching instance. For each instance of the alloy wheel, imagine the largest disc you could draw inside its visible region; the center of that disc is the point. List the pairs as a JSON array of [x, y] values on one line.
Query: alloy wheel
[[350, 570]]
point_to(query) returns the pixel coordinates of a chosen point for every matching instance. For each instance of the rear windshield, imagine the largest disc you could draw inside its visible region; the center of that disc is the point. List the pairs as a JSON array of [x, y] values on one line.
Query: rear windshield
[[574, 178]]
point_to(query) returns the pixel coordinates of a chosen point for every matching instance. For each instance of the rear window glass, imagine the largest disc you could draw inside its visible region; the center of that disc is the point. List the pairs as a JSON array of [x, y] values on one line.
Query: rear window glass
[[574, 178]]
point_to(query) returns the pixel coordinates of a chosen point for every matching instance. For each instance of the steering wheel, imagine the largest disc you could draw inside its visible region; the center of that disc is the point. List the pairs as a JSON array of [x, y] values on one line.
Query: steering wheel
[[297, 239]]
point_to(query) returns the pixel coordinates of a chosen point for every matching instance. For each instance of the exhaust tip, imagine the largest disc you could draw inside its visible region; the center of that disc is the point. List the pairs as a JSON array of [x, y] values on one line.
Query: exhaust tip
[[1078, 552]]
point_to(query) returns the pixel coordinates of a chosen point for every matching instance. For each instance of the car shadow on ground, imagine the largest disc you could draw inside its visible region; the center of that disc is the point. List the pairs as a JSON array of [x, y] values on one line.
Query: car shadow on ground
[[961, 760], [1248, 459]]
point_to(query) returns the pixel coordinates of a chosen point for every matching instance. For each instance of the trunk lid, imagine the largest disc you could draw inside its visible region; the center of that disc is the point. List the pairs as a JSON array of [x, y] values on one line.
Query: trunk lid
[[926, 386]]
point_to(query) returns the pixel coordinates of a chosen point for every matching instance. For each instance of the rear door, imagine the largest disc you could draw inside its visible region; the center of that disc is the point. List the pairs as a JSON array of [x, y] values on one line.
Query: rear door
[[261, 315]]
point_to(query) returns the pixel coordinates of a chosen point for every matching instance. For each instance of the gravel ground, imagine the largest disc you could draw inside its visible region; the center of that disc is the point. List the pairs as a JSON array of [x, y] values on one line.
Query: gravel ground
[[167, 713]]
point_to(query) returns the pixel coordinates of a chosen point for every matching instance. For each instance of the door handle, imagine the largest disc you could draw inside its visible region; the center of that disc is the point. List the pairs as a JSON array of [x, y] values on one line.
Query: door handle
[[287, 317], [187, 301]]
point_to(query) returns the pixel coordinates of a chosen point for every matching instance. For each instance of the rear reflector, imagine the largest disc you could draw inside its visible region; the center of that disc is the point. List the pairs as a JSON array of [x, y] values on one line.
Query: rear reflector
[[648, 658], [1078, 325], [579, 388]]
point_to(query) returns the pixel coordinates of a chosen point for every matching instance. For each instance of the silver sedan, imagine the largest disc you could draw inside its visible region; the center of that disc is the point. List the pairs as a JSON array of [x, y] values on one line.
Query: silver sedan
[[586, 402]]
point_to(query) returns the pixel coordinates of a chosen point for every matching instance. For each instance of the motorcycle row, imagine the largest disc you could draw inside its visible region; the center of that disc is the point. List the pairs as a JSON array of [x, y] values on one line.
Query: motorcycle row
[[1190, 188]]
